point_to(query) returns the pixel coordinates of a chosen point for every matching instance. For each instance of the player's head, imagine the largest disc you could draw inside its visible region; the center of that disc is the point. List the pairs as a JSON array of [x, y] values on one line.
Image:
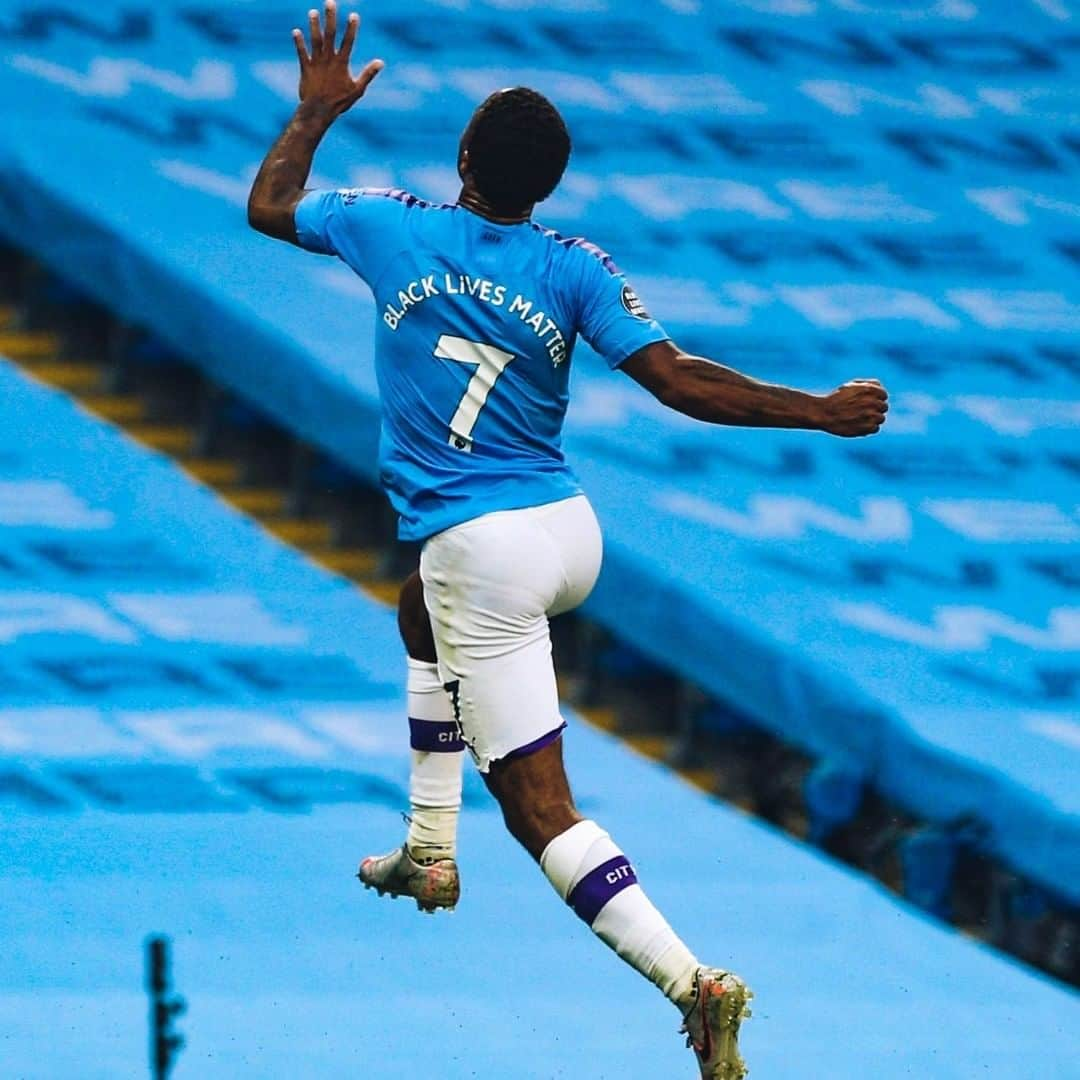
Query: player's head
[[515, 150]]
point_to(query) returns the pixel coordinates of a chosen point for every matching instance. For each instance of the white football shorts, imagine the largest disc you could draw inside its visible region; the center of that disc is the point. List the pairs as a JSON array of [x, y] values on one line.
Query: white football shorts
[[489, 586]]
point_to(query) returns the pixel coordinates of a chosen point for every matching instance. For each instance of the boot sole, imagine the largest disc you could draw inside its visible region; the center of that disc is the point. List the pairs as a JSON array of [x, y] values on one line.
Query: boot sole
[[428, 907], [728, 1009]]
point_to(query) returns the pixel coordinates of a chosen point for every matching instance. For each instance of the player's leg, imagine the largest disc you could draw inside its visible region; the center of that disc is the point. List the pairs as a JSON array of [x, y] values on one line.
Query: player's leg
[[595, 878], [489, 587], [437, 749], [588, 870], [414, 623], [424, 867]]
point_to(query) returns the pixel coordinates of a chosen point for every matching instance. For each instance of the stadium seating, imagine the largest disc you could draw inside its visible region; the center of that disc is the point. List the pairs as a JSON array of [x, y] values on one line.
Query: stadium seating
[[224, 736], [808, 190]]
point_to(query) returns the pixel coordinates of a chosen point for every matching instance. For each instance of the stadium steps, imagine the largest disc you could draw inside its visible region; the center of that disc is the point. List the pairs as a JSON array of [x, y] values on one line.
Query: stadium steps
[[268, 476], [305, 534], [75, 378], [117, 408], [259, 502], [172, 439], [603, 717], [27, 346], [41, 355], [215, 473]]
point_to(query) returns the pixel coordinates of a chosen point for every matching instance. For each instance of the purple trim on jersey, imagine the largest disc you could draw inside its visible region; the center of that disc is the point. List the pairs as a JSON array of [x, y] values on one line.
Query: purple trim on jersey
[[407, 197], [435, 736], [599, 253], [569, 242], [590, 895], [536, 744]]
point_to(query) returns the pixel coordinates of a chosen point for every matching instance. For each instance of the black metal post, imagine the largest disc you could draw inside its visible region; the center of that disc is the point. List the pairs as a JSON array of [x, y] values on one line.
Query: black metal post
[[165, 1043]]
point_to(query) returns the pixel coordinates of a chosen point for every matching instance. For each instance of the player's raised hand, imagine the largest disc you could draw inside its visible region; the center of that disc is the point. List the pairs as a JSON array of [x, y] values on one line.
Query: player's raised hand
[[856, 408], [324, 72]]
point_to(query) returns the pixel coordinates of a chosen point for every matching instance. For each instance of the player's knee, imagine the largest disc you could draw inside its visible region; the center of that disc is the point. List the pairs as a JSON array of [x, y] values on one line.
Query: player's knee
[[414, 625]]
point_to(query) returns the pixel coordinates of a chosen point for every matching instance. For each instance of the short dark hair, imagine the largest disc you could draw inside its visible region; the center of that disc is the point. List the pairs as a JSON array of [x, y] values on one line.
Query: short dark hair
[[518, 148]]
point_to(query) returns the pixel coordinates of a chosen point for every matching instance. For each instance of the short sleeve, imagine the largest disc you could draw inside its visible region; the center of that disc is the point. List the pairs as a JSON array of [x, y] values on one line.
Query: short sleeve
[[613, 319], [364, 227]]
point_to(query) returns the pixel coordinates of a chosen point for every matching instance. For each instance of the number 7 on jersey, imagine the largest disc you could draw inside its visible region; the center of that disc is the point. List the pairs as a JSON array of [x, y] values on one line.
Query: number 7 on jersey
[[490, 363]]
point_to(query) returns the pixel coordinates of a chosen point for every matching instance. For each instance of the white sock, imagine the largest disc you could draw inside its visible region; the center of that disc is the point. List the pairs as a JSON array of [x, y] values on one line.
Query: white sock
[[437, 755], [596, 879]]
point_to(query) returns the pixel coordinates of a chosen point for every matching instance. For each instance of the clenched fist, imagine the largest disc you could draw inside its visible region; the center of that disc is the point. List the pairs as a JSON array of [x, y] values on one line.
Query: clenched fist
[[856, 408]]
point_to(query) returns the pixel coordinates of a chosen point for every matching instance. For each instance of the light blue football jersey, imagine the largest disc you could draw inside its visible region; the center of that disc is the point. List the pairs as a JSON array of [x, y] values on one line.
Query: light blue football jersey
[[476, 328]]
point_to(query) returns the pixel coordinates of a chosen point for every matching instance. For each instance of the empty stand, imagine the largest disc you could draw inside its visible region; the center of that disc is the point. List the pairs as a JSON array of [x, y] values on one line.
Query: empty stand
[[222, 738], [846, 195]]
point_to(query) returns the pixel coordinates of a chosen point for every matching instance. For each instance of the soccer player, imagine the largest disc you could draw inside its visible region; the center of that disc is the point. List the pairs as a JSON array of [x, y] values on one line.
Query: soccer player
[[479, 308]]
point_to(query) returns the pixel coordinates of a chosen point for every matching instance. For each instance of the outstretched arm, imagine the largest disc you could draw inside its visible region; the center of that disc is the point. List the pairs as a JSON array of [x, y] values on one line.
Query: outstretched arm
[[716, 394], [327, 89]]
